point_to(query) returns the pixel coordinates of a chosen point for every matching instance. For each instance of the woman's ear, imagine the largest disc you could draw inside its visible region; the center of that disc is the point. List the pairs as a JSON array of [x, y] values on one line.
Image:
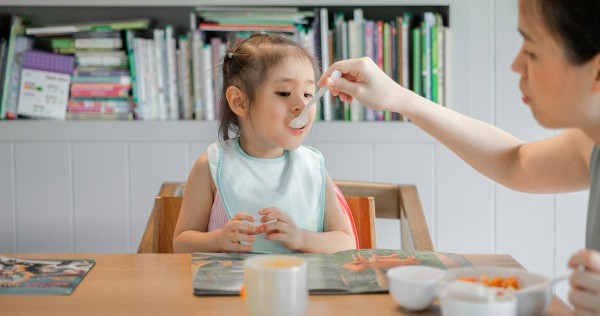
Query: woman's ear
[[596, 61], [236, 100]]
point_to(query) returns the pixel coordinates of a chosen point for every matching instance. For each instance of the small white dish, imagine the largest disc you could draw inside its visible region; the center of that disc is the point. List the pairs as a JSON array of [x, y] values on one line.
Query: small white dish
[[533, 296], [460, 298], [414, 287]]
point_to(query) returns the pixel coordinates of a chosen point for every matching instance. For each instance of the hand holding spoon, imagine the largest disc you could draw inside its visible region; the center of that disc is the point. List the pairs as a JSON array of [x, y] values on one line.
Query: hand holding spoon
[[302, 119]]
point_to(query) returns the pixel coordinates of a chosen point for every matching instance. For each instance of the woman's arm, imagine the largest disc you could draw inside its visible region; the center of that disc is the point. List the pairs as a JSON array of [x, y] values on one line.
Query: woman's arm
[[556, 164]]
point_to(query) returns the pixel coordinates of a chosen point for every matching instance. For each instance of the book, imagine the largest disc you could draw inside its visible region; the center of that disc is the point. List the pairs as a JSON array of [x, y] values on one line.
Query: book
[[11, 77], [344, 272], [90, 26], [41, 276], [45, 80]]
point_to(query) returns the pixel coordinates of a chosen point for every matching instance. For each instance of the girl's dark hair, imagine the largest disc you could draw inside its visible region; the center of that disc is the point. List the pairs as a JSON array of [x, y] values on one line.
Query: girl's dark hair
[[576, 23], [247, 65]]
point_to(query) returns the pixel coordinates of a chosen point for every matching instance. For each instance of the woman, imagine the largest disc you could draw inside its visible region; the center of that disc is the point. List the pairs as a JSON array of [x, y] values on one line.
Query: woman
[[559, 65]]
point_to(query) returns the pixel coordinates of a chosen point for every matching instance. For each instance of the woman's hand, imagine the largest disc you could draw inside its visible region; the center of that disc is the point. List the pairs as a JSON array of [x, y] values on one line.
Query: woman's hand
[[363, 80], [585, 282], [238, 232], [281, 227]]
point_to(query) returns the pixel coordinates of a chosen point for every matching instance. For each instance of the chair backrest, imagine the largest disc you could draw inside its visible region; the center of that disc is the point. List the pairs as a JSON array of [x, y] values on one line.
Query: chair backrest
[[158, 236], [362, 209], [398, 201], [393, 201]]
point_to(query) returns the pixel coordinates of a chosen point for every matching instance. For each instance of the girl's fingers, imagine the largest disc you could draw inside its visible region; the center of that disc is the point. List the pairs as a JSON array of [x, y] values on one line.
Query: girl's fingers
[[241, 216]]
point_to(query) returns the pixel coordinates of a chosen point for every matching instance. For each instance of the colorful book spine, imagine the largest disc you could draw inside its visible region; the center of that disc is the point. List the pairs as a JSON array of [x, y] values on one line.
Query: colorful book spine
[[100, 90]]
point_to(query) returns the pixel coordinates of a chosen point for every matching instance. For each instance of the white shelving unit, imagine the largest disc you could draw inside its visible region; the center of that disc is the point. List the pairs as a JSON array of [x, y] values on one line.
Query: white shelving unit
[[89, 186]]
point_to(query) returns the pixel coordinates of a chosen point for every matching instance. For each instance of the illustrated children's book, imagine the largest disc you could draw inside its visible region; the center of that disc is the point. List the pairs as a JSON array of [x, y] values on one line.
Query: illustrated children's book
[[344, 272], [39, 276]]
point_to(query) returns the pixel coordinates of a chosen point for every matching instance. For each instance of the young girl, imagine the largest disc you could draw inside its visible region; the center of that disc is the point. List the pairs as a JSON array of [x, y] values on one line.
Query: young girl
[[559, 65], [258, 189]]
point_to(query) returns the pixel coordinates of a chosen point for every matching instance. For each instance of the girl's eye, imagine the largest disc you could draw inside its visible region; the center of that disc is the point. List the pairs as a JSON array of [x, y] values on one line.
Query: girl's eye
[[308, 95], [284, 94]]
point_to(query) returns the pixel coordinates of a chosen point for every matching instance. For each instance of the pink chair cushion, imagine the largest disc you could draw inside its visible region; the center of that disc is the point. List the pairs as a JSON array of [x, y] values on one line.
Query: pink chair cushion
[[347, 211]]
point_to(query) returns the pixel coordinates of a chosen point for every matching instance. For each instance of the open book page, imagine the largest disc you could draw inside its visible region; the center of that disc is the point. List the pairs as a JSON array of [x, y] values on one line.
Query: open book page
[[350, 271], [40, 276]]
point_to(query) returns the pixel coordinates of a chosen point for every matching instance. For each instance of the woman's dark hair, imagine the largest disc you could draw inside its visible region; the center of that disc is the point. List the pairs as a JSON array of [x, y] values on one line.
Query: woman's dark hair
[[576, 23], [247, 65]]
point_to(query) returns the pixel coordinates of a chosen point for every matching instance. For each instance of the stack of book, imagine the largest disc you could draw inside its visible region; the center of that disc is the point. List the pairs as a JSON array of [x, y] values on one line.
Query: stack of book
[[216, 26], [101, 82], [154, 66]]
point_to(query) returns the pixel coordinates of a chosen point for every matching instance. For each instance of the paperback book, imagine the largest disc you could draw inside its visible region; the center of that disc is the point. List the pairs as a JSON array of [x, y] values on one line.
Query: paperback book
[[344, 272], [40, 276]]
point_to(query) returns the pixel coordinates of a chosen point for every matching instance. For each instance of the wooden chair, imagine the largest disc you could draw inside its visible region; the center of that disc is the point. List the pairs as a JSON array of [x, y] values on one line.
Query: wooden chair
[[398, 201], [158, 236]]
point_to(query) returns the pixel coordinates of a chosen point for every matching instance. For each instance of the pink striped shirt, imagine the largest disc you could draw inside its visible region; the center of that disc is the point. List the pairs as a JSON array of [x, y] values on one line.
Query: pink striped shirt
[[218, 216]]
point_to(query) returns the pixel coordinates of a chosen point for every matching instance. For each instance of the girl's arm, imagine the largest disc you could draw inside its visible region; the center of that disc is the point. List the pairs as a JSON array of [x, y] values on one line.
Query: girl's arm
[[192, 225], [337, 233]]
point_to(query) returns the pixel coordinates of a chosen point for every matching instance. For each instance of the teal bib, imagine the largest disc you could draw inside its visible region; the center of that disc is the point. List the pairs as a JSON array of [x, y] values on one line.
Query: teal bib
[[294, 182]]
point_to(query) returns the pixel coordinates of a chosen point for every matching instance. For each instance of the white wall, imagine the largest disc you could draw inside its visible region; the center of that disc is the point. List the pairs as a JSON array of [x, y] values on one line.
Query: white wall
[[89, 186]]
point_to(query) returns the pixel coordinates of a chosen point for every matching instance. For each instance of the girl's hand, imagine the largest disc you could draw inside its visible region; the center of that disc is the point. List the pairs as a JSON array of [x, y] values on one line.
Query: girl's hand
[[585, 283], [281, 227], [363, 80], [237, 231]]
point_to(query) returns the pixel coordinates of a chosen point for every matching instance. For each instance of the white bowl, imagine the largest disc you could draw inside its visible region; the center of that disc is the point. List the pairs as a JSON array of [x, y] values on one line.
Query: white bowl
[[414, 287], [529, 301]]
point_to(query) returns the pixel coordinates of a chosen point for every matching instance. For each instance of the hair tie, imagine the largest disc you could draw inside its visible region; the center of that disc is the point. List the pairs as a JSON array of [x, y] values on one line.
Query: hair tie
[[230, 55]]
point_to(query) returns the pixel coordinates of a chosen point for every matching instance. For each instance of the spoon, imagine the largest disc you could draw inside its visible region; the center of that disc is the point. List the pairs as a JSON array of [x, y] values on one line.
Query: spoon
[[302, 119], [543, 284]]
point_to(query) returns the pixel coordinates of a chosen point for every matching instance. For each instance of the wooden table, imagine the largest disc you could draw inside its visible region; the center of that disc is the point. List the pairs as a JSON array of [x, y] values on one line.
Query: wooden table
[[161, 284]]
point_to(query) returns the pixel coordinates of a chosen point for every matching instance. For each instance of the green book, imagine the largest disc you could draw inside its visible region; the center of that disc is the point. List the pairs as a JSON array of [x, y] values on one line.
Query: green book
[[434, 64], [17, 43], [417, 61]]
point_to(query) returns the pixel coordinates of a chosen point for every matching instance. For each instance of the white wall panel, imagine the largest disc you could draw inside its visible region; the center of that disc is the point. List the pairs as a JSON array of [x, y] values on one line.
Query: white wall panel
[[410, 164], [481, 61], [525, 228], [347, 161], [569, 234], [464, 206], [101, 187], [44, 198], [151, 164], [7, 200]]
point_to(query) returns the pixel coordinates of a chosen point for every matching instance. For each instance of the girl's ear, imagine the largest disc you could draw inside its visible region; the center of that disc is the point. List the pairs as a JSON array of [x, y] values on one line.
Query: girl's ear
[[236, 100]]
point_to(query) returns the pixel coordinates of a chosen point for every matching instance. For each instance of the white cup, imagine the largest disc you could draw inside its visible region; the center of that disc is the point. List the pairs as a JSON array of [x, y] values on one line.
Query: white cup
[[414, 287], [275, 285]]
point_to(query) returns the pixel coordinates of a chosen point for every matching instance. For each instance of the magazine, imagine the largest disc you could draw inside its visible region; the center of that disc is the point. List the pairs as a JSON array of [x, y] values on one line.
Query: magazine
[[344, 272], [40, 276]]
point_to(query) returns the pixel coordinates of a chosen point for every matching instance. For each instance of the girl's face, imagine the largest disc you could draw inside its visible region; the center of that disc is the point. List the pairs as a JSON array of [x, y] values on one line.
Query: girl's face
[[289, 86], [559, 93]]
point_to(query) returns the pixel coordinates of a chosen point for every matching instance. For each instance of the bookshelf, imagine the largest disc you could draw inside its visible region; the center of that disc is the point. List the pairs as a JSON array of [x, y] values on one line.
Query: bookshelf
[[179, 141], [65, 184]]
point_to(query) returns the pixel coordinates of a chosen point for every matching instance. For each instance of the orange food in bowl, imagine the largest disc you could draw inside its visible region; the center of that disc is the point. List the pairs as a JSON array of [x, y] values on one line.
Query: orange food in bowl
[[505, 283]]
